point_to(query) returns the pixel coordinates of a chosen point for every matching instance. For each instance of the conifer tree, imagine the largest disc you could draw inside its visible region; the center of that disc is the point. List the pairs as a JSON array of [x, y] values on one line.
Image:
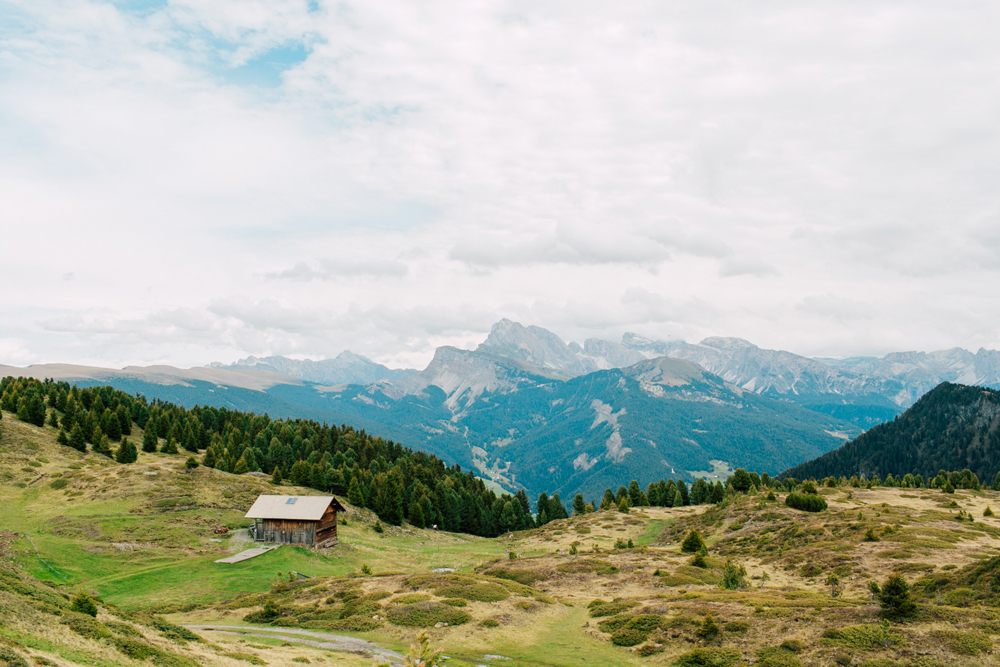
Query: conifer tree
[[579, 506], [355, 495], [169, 447], [149, 442], [76, 439], [608, 501], [62, 438], [241, 467], [894, 598], [127, 452], [623, 505], [111, 426], [276, 477], [53, 419]]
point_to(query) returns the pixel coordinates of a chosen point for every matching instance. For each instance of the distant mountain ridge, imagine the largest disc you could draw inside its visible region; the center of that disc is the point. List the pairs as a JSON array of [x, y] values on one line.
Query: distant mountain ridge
[[345, 368]]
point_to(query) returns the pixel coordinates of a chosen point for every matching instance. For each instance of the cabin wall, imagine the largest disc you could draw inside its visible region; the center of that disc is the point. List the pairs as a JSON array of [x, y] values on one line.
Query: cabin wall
[[287, 531], [326, 529]]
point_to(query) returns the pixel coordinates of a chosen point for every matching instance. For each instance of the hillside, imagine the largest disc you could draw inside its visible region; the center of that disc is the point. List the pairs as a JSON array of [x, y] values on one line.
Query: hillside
[[521, 427], [573, 593], [953, 427]]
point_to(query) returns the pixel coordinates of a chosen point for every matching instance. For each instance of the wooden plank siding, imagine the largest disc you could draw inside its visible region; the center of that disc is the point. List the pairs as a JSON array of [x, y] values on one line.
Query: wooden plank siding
[[326, 529], [288, 531]]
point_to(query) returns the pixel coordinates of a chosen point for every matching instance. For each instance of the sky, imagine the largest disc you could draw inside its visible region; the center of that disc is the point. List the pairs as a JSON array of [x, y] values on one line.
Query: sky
[[188, 181]]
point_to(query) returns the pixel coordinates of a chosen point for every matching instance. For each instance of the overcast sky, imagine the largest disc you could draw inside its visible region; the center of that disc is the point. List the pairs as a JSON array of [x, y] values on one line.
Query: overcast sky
[[187, 181]]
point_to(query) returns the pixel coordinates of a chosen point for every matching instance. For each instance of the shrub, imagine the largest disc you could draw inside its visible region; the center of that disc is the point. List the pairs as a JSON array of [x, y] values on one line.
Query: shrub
[[525, 577], [122, 629], [777, 657], [710, 657], [600, 608], [649, 649], [864, 636], [489, 623], [698, 560], [86, 626], [61, 483], [487, 592], [270, 612], [963, 643], [245, 657], [585, 565], [693, 543], [134, 649], [378, 527], [455, 602], [708, 628], [870, 535], [426, 614], [793, 645], [356, 624], [411, 598], [628, 637], [733, 576], [737, 627], [805, 502], [9, 658], [84, 604]]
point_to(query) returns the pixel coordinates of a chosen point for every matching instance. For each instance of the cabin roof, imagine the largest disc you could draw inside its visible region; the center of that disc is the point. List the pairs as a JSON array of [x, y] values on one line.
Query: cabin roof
[[304, 508]]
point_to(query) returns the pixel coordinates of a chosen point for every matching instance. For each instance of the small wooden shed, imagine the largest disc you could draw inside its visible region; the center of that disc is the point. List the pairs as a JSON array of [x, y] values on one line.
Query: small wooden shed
[[306, 520]]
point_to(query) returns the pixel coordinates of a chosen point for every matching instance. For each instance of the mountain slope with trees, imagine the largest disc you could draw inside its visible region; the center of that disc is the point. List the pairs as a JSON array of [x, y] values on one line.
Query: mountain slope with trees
[[953, 427]]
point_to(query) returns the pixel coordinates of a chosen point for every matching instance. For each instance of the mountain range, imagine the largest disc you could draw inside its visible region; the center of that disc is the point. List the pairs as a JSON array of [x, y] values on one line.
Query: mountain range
[[528, 410]]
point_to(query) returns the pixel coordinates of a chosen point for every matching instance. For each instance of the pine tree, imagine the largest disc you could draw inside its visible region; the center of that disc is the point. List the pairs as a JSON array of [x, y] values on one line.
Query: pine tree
[[111, 426], [894, 598], [634, 493], [169, 447], [62, 438], [241, 467], [693, 543], [608, 501], [127, 452], [579, 506], [102, 445], [76, 439], [623, 505], [355, 495], [708, 629], [276, 476], [53, 419]]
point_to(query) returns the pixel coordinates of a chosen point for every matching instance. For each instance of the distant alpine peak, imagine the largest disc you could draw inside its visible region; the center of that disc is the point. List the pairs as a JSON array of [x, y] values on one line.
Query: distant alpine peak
[[727, 344]]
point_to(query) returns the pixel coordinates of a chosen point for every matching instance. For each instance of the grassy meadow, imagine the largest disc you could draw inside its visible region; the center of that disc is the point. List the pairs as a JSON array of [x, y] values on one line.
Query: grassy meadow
[[141, 538]]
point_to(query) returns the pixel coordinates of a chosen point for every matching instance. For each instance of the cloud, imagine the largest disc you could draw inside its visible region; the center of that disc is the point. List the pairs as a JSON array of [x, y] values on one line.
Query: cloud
[[336, 269], [225, 177]]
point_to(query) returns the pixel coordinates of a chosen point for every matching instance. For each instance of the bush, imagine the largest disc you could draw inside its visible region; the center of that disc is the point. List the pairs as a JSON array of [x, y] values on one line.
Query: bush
[[378, 527], [270, 612], [456, 602], [777, 657], [245, 657], [134, 649], [84, 604], [693, 543], [9, 658], [411, 598], [586, 565], [489, 623], [870, 535], [600, 608], [86, 626], [122, 629], [733, 576], [805, 502], [710, 657], [793, 645], [356, 624], [525, 577], [628, 637], [649, 649], [476, 592], [708, 628], [737, 627], [426, 614], [963, 643], [61, 484]]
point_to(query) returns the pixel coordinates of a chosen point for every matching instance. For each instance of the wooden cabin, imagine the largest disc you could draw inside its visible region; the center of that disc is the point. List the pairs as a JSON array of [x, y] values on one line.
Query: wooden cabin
[[306, 520]]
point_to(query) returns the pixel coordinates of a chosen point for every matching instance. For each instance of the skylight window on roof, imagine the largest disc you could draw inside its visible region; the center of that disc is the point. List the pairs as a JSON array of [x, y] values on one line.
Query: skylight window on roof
[[291, 501]]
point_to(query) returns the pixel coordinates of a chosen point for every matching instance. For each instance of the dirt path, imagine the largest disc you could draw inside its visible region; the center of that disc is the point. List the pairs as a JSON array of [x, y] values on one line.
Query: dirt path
[[321, 640]]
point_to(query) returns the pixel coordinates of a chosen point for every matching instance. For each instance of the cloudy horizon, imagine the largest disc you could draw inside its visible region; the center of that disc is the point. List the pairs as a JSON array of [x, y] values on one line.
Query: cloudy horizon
[[188, 181]]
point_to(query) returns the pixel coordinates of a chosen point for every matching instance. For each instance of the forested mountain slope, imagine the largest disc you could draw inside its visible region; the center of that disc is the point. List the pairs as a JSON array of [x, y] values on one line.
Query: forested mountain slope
[[952, 427]]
